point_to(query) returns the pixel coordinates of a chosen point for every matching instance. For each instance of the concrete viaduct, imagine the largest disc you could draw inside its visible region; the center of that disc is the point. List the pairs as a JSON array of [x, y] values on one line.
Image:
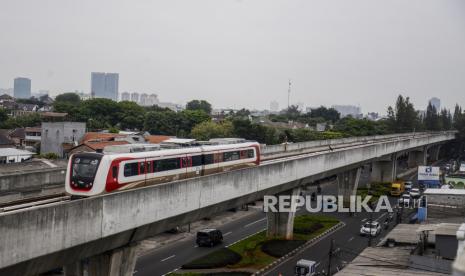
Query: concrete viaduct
[[99, 234]]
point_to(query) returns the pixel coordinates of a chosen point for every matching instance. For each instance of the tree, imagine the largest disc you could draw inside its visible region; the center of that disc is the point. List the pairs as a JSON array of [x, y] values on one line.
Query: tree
[[199, 105], [404, 117], [131, 115], [361, 127], [262, 134], [328, 114], [208, 130], [432, 121], [161, 122], [100, 113], [457, 112], [187, 119], [3, 116], [446, 119], [70, 97]]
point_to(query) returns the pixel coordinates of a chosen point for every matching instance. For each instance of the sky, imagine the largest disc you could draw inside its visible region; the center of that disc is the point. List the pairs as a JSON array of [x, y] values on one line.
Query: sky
[[241, 53]]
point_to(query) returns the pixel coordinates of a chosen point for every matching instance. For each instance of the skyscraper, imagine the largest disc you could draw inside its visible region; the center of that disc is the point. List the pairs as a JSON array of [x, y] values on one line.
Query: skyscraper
[[436, 103], [104, 85], [135, 97], [125, 96], [22, 88]]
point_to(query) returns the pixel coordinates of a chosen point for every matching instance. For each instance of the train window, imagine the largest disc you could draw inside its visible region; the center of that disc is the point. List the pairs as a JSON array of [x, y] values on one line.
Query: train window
[[131, 169], [149, 167], [196, 160], [231, 156], [208, 159], [114, 171], [167, 164], [142, 168], [250, 153]]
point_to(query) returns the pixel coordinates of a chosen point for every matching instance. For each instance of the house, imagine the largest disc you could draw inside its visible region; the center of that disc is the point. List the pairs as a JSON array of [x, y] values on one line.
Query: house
[[32, 136], [12, 155], [60, 137], [95, 146], [5, 141]]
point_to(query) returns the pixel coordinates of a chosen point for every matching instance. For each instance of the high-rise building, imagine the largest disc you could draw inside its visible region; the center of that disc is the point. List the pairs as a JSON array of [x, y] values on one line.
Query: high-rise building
[[104, 85], [143, 99], [22, 88], [125, 96], [135, 97], [436, 102], [274, 106], [153, 100]]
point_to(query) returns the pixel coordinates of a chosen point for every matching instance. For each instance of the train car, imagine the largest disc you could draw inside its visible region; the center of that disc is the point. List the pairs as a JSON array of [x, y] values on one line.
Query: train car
[[90, 174]]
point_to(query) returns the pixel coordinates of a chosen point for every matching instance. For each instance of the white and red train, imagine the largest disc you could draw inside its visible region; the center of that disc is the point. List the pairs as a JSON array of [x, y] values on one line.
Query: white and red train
[[90, 174]]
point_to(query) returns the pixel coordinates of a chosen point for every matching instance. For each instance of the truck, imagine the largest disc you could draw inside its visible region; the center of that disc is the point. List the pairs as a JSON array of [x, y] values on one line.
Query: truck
[[305, 268], [397, 188]]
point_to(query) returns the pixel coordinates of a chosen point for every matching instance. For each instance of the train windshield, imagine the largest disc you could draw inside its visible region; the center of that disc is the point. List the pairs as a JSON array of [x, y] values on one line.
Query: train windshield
[[85, 166]]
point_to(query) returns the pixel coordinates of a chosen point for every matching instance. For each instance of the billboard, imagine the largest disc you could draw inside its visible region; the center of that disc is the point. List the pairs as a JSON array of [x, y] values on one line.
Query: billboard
[[428, 173]]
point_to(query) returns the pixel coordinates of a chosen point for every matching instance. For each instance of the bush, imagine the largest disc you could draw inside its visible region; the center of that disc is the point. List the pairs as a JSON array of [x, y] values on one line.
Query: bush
[[219, 258], [49, 155], [279, 248]]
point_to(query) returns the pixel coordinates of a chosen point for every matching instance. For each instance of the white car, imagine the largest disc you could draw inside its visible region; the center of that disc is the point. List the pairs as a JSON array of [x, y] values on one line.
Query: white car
[[375, 229], [408, 185], [404, 200], [415, 192]]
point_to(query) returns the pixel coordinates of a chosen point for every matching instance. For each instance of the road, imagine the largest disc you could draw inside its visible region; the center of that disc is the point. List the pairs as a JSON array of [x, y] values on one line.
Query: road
[[168, 258]]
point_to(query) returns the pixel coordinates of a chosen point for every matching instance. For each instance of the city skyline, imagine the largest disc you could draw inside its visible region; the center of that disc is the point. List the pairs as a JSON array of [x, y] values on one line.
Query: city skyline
[[235, 54]]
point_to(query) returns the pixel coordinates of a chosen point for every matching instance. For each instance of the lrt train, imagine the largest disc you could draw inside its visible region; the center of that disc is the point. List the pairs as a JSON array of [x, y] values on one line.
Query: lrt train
[[90, 174]]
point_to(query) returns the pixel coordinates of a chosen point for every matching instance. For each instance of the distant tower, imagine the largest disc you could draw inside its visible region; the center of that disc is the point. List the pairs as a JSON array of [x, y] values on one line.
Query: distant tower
[[436, 102], [289, 95], [22, 88], [104, 85]]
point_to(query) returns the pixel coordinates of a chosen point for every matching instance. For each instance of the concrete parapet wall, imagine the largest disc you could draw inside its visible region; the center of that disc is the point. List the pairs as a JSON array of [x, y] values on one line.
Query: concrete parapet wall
[[31, 179], [143, 212]]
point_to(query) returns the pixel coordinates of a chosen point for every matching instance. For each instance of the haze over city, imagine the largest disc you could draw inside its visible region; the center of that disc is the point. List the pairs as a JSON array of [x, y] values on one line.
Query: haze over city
[[242, 53]]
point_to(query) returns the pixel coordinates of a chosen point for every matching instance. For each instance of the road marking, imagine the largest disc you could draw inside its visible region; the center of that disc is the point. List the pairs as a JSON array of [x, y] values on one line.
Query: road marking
[[381, 216], [317, 264], [351, 239], [196, 246], [252, 223], [135, 271], [165, 259], [365, 219], [227, 234]]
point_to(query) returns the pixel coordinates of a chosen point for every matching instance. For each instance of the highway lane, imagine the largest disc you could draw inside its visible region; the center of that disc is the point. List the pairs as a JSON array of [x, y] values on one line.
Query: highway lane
[[170, 257]]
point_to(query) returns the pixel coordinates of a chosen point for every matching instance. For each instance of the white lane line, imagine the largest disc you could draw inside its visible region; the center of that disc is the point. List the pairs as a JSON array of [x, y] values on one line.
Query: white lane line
[[252, 223], [165, 259], [172, 271], [365, 219], [196, 246], [229, 233], [381, 216], [135, 271], [351, 239], [317, 264]]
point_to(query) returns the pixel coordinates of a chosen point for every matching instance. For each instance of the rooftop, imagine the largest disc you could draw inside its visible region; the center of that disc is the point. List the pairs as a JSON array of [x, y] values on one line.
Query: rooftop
[[14, 152], [444, 192]]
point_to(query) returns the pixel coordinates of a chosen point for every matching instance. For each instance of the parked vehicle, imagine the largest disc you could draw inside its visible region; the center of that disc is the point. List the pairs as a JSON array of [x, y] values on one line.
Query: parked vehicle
[[408, 185], [305, 268], [209, 237], [415, 193], [397, 188], [372, 228], [405, 200]]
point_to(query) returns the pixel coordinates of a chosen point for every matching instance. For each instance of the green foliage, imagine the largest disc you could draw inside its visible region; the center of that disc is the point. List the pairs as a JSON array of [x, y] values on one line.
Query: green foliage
[[131, 115], [304, 134], [21, 121], [404, 117], [161, 122], [251, 131], [208, 130], [49, 155], [71, 98], [199, 105], [218, 258], [327, 114], [361, 127], [3, 116]]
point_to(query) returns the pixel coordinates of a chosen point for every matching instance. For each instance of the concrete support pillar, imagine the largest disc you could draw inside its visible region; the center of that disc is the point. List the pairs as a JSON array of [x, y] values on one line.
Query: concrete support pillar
[[417, 158], [434, 153], [384, 170], [117, 262], [347, 183], [281, 224]]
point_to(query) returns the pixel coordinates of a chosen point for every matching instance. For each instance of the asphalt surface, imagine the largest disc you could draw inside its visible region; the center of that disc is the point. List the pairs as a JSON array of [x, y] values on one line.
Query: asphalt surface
[[347, 242]]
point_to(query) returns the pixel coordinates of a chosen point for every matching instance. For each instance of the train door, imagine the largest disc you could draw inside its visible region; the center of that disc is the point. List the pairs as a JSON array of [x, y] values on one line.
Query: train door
[[186, 165]]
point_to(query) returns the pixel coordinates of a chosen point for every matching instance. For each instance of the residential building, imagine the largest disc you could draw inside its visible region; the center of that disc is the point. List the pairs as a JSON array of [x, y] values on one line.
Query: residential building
[[153, 100], [8, 91], [104, 85], [135, 97], [12, 155], [436, 102], [125, 96], [143, 100], [22, 88], [348, 110], [5, 140], [32, 136], [60, 137]]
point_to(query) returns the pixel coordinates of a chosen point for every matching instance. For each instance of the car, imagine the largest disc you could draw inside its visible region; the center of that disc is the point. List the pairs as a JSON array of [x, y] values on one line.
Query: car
[[209, 237], [405, 200], [408, 185], [415, 193], [305, 268], [373, 228]]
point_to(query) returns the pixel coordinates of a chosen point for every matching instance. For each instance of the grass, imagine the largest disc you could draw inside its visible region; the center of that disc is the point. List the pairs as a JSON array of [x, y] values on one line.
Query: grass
[[219, 258], [376, 190], [250, 250]]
